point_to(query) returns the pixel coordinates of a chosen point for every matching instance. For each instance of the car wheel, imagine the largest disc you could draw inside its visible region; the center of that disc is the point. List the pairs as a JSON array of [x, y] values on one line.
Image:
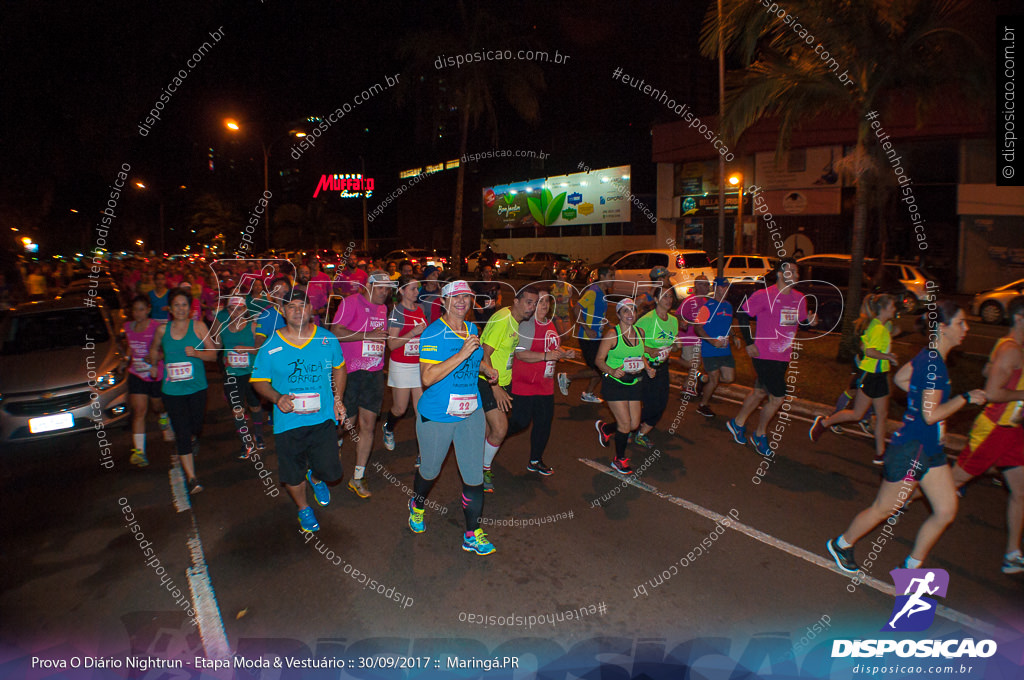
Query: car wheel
[[991, 312]]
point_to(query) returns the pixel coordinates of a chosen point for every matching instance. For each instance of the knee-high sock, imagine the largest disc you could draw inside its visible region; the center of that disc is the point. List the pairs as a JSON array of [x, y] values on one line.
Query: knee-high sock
[[472, 505], [490, 451], [621, 439], [421, 487]]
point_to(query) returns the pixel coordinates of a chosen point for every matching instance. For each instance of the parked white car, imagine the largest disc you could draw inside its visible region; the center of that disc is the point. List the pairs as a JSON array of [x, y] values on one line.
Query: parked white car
[[746, 267], [683, 266]]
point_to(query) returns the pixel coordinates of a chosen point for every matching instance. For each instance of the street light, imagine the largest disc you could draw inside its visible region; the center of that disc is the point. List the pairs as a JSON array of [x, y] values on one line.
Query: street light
[[736, 180], [235, 126], [160, 198]]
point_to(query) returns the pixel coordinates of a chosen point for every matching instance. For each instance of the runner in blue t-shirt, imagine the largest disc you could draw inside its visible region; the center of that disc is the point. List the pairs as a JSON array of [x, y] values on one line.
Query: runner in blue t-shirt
[[719, 365], [916, 454], [449, 411], [301, 370]]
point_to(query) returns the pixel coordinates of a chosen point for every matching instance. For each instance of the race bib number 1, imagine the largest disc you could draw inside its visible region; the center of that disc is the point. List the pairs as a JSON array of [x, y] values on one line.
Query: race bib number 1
[[308, 402]]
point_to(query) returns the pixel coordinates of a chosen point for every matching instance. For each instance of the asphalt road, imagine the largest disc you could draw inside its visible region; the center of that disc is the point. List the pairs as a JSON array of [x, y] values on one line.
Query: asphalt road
[[583, 539]]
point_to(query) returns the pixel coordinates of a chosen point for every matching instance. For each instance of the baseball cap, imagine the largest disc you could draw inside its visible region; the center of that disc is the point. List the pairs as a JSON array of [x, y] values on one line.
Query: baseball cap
[[296, 294], [380, 277], [721, 281], [236, 300], [456, 288], [658, 272], [625, 302], [428, 270]]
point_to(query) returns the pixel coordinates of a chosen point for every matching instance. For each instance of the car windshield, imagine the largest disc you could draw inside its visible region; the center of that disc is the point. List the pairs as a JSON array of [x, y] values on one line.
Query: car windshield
[[56, 329], [692, 260]]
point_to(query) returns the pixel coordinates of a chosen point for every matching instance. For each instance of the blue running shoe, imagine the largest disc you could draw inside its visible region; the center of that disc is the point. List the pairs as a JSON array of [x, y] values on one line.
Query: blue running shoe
[[477, 542], [761, 445], [320, 490], [416, 519], [739, 434], [307, 520]]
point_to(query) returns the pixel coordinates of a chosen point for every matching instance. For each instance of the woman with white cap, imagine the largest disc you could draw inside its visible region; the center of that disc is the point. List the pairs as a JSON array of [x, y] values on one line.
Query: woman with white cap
[[449, 411], [622, 360]]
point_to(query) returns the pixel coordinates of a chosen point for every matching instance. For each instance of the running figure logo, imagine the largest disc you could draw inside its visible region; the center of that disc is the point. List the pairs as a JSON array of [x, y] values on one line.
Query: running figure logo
[[913, 611]]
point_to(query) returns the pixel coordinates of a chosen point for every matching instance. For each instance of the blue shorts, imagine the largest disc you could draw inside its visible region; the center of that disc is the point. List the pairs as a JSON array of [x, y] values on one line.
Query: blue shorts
[[906, 459]]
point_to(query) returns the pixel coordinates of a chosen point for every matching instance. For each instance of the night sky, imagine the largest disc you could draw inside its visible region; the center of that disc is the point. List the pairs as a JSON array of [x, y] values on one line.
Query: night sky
[[79, 78]]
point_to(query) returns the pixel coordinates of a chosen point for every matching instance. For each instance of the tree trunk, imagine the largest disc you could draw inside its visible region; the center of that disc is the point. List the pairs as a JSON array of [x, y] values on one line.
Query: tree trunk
[[459, 186], [849, 345]]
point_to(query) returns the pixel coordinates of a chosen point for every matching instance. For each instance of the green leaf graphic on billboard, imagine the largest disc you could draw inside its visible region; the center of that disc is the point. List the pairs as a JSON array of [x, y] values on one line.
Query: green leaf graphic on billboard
[[509, 198], [546, 209]]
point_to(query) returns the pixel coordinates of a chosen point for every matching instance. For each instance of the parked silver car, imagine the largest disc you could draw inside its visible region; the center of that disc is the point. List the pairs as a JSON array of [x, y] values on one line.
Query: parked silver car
[[991, 305], [59, 370]]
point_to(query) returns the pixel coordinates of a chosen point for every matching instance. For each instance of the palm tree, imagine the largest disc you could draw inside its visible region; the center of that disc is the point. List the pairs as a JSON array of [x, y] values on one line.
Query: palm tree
[[470, 90], [903, 52]]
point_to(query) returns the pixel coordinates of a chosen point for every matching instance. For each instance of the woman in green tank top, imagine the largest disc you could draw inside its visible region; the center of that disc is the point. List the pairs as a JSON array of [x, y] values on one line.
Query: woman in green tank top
[[622, 360], [236, 336], [184, 345]]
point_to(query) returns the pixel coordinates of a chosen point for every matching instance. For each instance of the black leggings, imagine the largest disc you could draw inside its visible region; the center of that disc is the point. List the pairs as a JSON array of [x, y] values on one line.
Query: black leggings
[[539, 408], [186, 412], [654, 395]]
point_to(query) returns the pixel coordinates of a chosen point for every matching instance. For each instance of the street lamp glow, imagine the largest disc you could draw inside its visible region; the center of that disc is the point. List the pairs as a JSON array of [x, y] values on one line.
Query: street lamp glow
[[735, 178], [138, 242], [231, 124], [140, 185]]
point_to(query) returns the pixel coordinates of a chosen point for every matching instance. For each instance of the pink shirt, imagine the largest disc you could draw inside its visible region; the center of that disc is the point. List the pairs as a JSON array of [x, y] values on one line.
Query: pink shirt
[[318, 290], [688, 311], [356, 313], [138, 346], [777, 318], [350, 283]]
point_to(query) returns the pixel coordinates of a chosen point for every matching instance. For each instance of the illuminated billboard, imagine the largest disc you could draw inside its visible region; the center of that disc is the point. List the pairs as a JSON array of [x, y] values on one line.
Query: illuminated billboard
[[593, 197]]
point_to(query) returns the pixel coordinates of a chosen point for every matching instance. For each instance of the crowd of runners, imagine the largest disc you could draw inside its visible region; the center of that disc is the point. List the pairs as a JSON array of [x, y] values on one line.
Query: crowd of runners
[[472, 364]]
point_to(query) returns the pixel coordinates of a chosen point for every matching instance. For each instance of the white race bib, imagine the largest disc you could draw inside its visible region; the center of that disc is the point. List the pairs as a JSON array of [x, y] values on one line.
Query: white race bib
[[179, 371], [141, 367], [789, 317], [663, 353], [307, 402], [238, 359], [549, 369], [373, 348], [633, 364], [462, 405], [412, 348]]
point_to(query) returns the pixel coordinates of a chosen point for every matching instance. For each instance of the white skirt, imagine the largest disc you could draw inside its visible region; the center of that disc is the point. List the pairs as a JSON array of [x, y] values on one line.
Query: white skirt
[[403, 375]]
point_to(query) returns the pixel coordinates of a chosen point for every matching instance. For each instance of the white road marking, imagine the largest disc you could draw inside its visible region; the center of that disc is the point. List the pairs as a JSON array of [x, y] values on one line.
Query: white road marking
[[813, 558], [204, 599]]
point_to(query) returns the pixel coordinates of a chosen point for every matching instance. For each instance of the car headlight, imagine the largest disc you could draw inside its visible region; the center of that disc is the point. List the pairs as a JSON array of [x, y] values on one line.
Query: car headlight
[[108, 380]]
